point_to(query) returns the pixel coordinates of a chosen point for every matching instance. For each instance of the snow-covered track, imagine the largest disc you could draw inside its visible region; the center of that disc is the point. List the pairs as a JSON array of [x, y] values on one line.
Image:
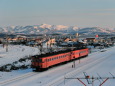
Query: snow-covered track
[[6, 82], [60, 80]]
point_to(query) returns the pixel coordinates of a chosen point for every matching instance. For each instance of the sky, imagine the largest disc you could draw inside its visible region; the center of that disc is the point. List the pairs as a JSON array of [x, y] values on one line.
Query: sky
[[80, 13]]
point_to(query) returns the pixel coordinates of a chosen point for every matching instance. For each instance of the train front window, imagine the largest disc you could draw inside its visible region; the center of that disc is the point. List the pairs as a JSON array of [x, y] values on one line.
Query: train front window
[[39, 60]]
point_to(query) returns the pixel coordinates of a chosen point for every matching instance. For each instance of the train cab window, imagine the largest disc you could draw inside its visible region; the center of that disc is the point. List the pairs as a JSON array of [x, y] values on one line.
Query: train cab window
[[33, 60], [39, 60]]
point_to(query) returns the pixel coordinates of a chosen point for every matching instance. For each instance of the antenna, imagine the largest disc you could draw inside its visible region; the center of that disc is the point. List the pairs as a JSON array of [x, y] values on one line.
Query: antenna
[[87, 77], [99, 76], [112, 75], [91, 80]]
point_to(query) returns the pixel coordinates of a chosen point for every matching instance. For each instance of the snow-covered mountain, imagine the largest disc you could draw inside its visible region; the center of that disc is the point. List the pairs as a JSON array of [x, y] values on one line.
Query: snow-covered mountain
[[52, 29]]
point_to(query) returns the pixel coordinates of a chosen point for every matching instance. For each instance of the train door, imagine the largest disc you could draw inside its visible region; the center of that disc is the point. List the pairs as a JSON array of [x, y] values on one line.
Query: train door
[[70, 55], [46, 62]]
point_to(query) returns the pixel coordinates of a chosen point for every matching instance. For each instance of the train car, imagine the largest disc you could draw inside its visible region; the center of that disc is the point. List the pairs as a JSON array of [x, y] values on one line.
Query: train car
[[44, 61]]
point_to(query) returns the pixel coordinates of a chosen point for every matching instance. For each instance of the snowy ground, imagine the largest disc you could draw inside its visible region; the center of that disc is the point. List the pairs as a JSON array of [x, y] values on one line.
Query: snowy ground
[[15, 52], [97, 63]]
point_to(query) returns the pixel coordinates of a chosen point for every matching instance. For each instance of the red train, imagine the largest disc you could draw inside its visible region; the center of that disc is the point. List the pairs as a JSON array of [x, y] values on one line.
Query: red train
[[44, 61]]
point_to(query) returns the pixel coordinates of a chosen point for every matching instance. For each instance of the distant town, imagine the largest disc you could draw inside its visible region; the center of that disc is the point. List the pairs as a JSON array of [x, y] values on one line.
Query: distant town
[[58, 40]]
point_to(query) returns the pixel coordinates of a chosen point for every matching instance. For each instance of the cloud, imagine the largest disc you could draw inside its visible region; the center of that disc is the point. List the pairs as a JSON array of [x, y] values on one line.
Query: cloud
[[112, 9], [103, 14]]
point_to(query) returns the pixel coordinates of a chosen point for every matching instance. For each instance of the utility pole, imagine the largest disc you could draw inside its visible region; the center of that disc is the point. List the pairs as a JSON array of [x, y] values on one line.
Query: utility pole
[[77, 36], [6, 43]]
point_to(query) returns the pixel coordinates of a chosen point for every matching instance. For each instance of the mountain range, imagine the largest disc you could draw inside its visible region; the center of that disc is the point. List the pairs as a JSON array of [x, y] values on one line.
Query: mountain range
[[55, 29]]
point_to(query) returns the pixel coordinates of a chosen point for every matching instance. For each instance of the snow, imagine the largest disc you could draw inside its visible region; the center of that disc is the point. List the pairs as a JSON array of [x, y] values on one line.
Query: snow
[[100, 62], [15, 52]]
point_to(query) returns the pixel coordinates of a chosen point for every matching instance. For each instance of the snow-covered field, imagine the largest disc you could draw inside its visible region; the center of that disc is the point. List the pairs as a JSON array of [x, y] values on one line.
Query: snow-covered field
[[15, 52], [96, 64]]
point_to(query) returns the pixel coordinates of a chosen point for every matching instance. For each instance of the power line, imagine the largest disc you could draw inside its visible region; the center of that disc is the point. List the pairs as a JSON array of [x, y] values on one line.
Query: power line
[[90, 80]]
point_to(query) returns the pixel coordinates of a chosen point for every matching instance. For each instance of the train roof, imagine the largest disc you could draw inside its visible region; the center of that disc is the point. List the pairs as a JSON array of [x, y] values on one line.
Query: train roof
[[55, 53]]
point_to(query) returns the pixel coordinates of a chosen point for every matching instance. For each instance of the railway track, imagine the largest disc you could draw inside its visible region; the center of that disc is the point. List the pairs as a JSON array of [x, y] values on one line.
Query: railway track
[[6, 82], [60, 81]]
